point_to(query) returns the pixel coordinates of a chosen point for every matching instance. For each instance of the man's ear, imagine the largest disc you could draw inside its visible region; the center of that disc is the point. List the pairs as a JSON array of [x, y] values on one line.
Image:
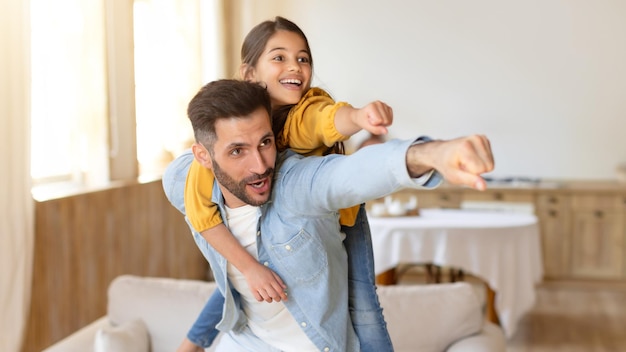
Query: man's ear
[[202, 155]]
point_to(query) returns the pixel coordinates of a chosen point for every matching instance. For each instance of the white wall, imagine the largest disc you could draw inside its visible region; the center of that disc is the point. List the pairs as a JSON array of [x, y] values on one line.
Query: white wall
[[544, 79]]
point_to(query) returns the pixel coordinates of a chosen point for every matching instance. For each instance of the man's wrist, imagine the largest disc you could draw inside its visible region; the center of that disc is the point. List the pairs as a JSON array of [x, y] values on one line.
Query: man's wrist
[[417, 158]]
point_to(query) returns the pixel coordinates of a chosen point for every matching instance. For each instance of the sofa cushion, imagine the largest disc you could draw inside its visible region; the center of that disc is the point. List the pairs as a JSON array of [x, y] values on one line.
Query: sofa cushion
[[167, 306], [428, 318], [131, 336], [491, 339]]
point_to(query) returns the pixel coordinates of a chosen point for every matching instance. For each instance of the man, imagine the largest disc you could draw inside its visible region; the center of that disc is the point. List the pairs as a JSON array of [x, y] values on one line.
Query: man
[[288, 219]]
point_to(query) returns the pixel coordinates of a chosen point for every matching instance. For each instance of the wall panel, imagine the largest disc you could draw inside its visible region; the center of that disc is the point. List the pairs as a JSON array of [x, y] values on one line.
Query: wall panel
[[82, 242]]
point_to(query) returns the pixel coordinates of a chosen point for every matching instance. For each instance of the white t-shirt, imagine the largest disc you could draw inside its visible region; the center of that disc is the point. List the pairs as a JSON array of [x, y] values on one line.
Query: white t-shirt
[[271, 322]]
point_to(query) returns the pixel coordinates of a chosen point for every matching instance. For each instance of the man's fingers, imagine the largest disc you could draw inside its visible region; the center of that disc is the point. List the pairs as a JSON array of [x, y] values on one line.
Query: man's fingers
[[475, 156], [483, 151], [480, 184], [469, 179]]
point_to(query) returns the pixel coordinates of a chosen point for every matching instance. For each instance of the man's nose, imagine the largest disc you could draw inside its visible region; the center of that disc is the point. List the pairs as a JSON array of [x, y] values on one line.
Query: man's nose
[[259, 164]]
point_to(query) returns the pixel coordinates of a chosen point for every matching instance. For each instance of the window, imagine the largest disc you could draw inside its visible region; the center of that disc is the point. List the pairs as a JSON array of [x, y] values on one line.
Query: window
[[69, 106], [175, 52], [167, 75]]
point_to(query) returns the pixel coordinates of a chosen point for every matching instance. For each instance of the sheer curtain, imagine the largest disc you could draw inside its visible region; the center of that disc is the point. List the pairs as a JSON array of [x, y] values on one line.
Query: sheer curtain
[[16, 204]]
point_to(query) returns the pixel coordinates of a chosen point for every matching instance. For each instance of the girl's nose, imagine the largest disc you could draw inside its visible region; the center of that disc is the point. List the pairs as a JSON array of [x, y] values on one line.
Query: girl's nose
[[294, 66]]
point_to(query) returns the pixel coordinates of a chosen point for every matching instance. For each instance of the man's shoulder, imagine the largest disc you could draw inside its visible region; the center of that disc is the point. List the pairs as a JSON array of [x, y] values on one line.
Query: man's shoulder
[[291, 164], [290, 158], [287, 155]]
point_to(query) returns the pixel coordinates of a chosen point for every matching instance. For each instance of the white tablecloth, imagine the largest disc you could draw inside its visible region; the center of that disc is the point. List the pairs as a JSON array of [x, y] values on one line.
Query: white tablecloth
[[501, 248]]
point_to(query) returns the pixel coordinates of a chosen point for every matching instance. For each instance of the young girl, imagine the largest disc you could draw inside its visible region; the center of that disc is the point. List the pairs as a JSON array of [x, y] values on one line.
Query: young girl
[[307, 120]]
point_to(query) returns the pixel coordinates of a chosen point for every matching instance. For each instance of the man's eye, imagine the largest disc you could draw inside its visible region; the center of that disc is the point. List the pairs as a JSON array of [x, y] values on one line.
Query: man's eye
[[235, 152], [266, 142]]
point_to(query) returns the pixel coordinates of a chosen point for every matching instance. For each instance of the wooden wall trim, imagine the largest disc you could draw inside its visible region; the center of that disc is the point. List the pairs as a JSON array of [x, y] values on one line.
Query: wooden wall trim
[[84, 241]]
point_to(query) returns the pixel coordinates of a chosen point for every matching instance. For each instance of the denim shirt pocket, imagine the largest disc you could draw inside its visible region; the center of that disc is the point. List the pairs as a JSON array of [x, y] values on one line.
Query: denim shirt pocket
[[303, 257]]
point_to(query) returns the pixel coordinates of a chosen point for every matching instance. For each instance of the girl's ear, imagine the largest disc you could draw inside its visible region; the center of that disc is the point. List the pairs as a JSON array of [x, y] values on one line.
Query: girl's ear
[[246, 72], [201, 154]]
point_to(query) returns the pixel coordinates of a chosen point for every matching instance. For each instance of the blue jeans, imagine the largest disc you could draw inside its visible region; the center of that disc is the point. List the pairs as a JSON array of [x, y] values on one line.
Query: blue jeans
[[365, 311], [203, 331]]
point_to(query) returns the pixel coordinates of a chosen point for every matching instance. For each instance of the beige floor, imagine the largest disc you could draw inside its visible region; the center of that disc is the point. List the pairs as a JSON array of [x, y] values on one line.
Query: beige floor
[[574, 317], [568, 316]]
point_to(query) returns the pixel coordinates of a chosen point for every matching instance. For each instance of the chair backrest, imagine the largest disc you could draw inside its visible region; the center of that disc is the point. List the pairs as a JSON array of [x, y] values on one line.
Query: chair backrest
[[430, 317]]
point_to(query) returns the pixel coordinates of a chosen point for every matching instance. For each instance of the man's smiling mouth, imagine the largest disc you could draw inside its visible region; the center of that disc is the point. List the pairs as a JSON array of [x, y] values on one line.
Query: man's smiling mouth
[[258, 184]]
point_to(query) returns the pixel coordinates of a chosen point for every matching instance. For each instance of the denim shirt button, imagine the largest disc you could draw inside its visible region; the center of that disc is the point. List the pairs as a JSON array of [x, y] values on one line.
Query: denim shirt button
[[266, 263], [326, 349], [288, 247], [303, 324], [258, 233]]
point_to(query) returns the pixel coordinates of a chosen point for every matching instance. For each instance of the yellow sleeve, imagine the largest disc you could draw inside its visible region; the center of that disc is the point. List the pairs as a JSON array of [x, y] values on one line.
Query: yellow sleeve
[[348, 216], [203, 214], [310, 125], [310, 130]]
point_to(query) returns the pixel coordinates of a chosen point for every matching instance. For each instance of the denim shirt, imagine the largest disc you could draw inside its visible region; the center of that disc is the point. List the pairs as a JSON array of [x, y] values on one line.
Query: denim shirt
[[298, 233]]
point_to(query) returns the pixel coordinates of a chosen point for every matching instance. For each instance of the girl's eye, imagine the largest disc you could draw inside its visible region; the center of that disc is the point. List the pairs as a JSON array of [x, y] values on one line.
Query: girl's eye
[[304, 60], [279, 58]]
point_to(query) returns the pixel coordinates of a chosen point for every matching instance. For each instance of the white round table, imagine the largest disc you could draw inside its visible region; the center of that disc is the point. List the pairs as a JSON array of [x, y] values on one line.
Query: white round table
[[501, 248]]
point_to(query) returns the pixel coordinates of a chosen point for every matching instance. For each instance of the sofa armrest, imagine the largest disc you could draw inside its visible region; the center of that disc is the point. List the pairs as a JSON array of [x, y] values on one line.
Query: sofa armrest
[[489, 339], [81, 340]]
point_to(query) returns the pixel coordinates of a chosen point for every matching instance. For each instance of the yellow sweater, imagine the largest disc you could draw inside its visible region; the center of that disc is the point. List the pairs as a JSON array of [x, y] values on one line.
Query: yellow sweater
[[309, 130]]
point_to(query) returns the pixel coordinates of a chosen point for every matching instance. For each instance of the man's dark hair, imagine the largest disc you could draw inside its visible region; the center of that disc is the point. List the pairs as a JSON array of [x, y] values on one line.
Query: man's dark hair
[[224, 99]]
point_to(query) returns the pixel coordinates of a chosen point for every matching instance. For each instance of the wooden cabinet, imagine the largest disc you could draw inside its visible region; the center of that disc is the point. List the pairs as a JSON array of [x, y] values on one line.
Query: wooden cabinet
[[437, 198], [597, 246], [499, 195], [552, 210], [444, 199], [582, 224]]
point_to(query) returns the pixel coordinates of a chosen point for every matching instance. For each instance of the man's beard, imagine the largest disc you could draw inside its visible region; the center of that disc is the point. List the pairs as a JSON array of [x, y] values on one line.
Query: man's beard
[[238, 189]]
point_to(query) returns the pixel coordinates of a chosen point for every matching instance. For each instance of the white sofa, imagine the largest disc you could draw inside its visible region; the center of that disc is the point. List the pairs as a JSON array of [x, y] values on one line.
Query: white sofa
[[154, 314]]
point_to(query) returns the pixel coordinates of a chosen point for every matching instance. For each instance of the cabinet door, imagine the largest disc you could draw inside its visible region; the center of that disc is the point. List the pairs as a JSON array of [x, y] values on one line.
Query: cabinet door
[[554, 222], [555, 242], [597, 249]]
